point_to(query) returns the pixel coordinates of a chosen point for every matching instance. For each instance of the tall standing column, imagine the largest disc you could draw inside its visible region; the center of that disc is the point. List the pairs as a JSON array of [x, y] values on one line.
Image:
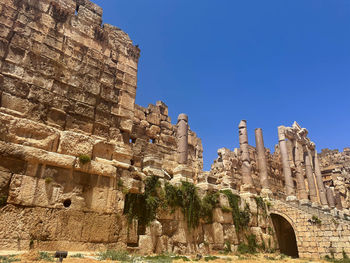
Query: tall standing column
[[330, 197], [259, 142], [247, 180], [310, 176], [287, 172], [319, 181], [299, 172], [182, 138]]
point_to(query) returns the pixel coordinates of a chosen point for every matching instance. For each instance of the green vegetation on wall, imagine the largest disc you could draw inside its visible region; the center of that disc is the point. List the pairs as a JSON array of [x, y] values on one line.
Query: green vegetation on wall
[[144, 207], [3, 200], [240, 218]]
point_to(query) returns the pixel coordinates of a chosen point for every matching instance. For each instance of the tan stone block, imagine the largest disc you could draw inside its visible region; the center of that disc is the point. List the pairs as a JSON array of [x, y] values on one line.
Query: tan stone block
[[221, 217], [153, 118], [153, 131], [145, 244], [126, 125], [16, 104], [230, 234], [72, 143], [127, 100]]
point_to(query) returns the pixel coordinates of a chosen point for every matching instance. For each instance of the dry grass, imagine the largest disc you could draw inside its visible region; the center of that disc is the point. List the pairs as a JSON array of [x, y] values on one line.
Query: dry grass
[[34, 257]]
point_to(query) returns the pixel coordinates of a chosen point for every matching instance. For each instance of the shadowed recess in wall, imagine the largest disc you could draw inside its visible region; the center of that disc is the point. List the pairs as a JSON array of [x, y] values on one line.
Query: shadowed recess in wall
[[285, 236]]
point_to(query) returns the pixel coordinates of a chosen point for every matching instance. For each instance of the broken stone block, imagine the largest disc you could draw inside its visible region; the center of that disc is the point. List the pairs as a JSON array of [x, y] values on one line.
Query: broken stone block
[[75, 144]]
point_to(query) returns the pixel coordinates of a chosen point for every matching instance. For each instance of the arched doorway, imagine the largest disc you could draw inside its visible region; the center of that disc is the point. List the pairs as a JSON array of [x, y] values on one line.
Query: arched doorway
[[285, 235]]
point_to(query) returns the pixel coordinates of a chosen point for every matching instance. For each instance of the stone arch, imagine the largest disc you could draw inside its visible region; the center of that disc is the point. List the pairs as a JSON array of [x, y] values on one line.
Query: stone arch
[[285, 233]]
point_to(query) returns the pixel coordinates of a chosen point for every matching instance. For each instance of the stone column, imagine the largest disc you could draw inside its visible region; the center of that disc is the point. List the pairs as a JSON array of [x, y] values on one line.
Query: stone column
[[262, 164], [247, 180], [299, 174], [310, 176], [330, 197], [287, 172], [319, 181], [182, 138]]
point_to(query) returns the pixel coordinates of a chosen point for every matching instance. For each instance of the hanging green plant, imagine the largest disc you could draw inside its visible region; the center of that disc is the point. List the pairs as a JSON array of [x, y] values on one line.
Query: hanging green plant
[[143, 207], [240, 218]]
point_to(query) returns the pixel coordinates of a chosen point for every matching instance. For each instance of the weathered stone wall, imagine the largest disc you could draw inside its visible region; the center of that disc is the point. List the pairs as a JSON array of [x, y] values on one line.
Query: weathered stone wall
[[67, 94], [226, 171], [335, 168], [330, 235], [67, 90]]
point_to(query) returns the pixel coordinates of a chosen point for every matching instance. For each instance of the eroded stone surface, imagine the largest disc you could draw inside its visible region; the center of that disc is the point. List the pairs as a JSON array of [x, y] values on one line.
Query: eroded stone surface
[[73, 142]]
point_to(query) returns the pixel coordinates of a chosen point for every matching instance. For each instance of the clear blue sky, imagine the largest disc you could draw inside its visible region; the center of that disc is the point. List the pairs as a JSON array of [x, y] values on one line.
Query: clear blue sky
[[270, 62]]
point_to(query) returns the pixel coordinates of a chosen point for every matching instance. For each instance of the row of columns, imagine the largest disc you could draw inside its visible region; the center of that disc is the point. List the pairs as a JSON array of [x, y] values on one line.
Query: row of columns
[[308, 162], [247, 180], [305, 159], [302, 147]]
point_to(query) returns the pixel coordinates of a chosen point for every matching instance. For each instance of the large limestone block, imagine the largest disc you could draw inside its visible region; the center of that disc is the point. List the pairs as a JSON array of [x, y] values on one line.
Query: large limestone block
[[21, 106], [103, 150], [30, 133], [75, 144], [153, 131], [132, 236], [258, 233], [5, 179], [153, 118], [145, 244], [269, 241], [230, 234], [162, 245], [218, 233], [180, 234], [213, 233], [35, 155], [22, 190], [165, 215], [98, 168], [122, 153], [94, 226], [169, 227], [126, 125], [222, 217]]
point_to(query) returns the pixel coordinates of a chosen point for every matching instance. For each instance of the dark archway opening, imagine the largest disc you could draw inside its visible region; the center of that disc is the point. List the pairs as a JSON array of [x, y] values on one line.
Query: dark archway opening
[[285, 235]]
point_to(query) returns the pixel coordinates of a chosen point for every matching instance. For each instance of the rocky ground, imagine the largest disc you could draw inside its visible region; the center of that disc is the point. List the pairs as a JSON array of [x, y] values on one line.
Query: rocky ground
[[114, 256]]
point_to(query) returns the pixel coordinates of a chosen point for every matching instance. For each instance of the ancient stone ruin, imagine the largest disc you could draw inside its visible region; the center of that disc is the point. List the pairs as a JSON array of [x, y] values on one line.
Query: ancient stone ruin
[[82, 167]]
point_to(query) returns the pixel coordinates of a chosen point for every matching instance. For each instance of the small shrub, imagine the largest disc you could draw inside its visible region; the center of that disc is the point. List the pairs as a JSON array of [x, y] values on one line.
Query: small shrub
[[48, 180], [83, 158], [78, 255], [209, 202], [250, 247], [226, 209], [227, 248], [45, 256], [316, 220], [120, 183], [208, 258], [3, 200], [163, 258], [31, 244], [8, 259], [119, 255]]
